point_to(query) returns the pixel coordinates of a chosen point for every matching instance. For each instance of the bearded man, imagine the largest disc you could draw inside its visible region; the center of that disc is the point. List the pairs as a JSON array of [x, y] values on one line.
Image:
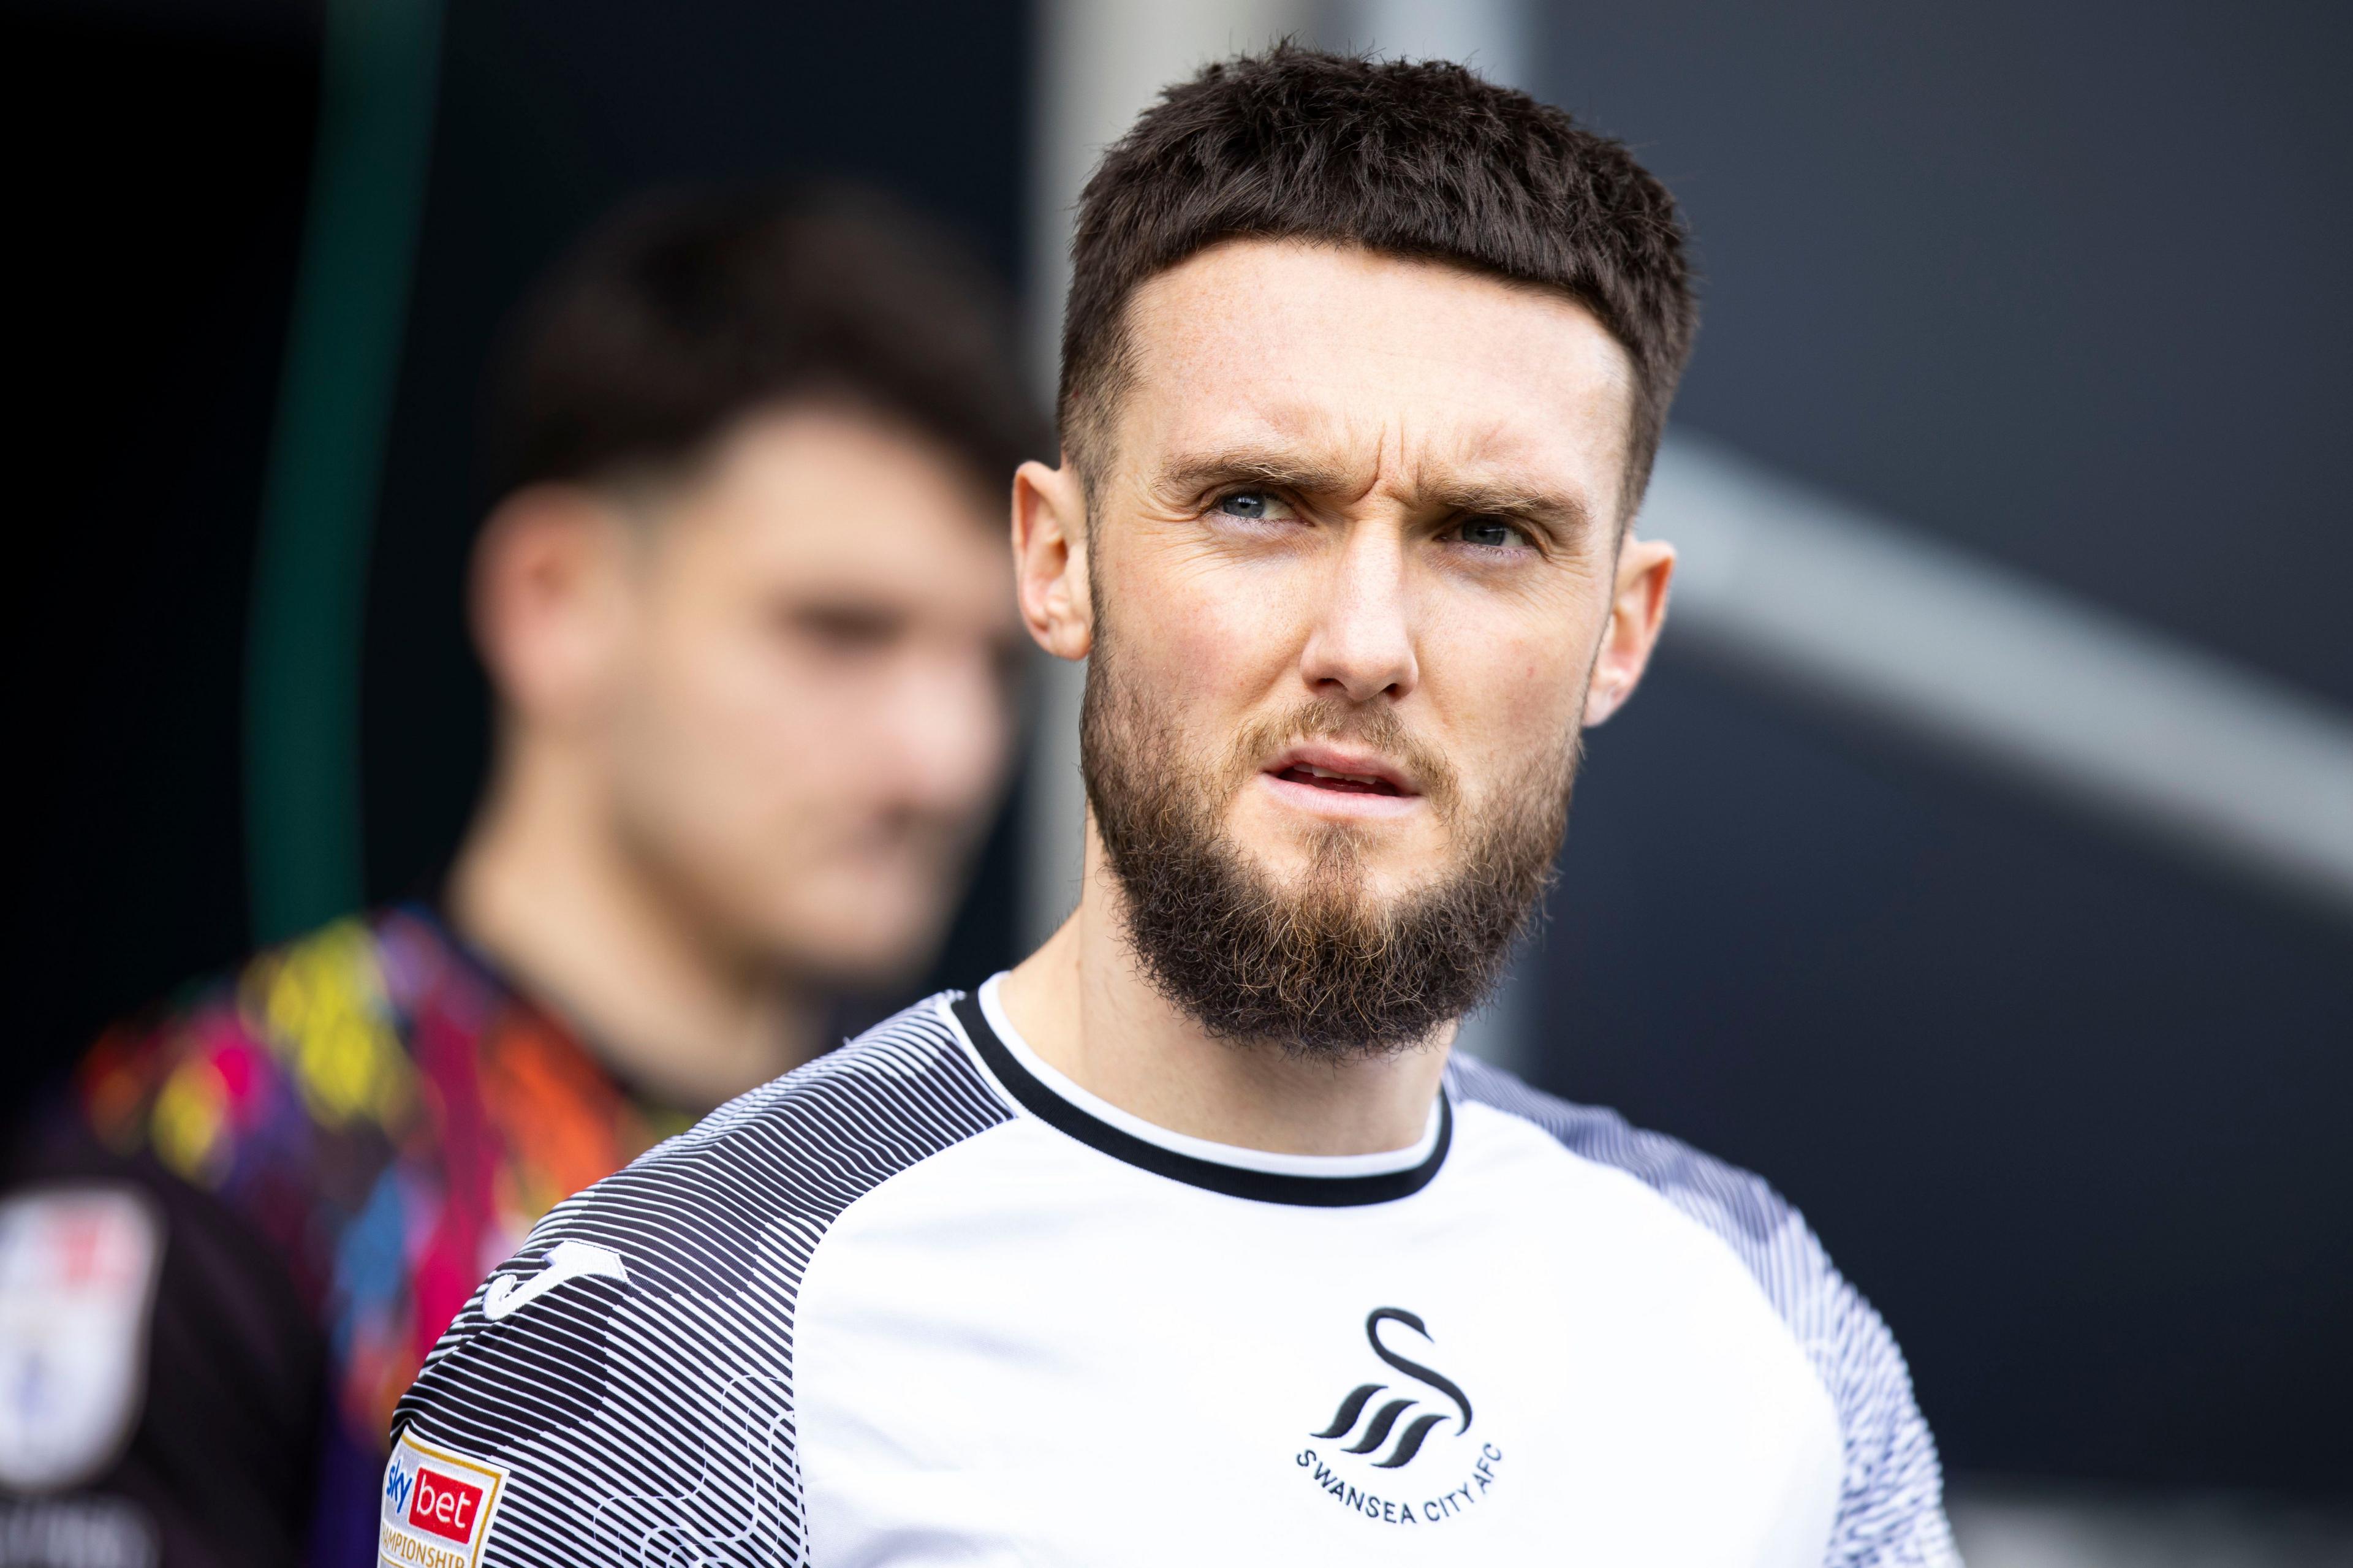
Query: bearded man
[[1187, 1241]]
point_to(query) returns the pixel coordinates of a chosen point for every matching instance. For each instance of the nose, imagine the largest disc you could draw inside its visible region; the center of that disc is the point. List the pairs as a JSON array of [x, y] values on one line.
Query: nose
[[1362, 646]]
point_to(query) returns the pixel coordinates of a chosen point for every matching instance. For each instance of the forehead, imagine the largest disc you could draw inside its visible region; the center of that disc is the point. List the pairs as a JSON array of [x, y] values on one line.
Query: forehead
[[1399, 365], [833, 500]]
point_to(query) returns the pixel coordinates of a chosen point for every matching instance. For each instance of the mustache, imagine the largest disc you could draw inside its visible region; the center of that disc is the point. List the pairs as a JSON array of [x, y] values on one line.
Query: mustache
[[1336, 719]]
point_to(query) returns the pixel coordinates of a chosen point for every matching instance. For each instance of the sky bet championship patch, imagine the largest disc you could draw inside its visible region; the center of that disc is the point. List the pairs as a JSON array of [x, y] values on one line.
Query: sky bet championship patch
[[438, 1507]]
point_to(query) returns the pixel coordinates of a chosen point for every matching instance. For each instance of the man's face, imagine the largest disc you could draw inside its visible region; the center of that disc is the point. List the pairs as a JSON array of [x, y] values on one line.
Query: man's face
[[1355, 548], [809, 708]]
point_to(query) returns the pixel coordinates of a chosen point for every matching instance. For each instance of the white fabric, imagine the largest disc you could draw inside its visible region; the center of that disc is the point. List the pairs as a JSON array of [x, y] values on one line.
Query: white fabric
[[926, 1303], [1022, 1352]]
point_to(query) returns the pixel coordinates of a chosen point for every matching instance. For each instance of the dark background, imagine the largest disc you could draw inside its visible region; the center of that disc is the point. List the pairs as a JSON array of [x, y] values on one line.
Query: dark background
[[2065, 286], [2070, 286], [176, 140]]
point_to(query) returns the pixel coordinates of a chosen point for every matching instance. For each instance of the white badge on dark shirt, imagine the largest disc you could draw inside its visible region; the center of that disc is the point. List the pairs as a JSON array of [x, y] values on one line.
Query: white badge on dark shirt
[[77, 1271]]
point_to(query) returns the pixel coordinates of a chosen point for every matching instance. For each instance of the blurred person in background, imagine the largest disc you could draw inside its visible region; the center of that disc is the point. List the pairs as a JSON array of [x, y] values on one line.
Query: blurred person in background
[[744, 607]]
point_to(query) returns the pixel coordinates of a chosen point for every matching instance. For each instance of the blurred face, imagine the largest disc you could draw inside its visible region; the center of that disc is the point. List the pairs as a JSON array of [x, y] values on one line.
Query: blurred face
[[806, 719], [1355, 583]]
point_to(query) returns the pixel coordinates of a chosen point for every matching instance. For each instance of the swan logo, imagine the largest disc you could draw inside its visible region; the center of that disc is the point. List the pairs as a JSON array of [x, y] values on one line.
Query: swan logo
[[1394, 1420], [1350, 1419]]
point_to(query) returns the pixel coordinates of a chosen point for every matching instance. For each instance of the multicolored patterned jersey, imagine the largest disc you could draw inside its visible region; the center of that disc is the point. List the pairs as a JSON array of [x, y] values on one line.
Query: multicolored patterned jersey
[[383, 1118]]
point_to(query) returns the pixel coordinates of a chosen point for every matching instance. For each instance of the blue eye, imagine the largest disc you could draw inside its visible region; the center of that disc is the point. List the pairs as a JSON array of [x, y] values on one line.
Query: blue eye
[[1245, 503], [1491, 532]]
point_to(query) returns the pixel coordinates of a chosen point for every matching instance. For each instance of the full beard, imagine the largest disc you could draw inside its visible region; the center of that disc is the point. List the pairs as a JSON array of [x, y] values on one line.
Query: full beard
[[1316, 967]]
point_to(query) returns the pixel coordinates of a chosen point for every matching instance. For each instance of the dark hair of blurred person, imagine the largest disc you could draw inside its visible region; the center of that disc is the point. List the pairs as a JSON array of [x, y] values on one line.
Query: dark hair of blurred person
[[744, 600]]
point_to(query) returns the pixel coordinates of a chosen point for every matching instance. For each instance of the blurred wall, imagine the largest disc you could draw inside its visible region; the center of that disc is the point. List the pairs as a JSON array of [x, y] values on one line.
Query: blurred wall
[[164, 158], [2068, 287]]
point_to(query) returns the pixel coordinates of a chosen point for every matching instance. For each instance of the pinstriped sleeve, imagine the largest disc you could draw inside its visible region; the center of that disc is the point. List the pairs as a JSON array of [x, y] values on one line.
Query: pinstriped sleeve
[[1891, 1504], [620, 1392], [1891, 1501]]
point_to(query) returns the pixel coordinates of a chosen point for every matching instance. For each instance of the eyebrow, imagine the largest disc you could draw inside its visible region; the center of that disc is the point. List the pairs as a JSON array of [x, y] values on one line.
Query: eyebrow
[[1253, 465], [1565, 516]]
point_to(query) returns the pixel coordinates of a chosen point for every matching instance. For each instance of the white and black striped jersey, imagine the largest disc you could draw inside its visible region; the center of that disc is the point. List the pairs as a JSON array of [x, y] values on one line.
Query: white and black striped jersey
[[926, 1301]]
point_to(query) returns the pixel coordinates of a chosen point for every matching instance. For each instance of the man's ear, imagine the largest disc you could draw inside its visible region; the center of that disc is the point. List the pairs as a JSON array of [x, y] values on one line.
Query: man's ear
[[547, 598], [1049, 558], [1637, 609]]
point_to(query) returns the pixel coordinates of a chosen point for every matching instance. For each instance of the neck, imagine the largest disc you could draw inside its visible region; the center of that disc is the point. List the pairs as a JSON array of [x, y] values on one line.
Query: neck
[[546, 888], [1084, 1003]]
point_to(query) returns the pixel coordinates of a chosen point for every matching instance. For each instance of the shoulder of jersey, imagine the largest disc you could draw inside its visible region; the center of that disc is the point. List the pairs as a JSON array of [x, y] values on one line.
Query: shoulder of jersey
[[1743, 1210], [700, 1211], [826, 1132], [297, 1046], [679, 1274], [1894, 1483], [799, 1150]]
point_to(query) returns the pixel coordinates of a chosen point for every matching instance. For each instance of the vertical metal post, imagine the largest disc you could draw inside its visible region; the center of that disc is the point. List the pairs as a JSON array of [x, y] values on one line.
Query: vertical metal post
[[1491, 36], [1100, 62]]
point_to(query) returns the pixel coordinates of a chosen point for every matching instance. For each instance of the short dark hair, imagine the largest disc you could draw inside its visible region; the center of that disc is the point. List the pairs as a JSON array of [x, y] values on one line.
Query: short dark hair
[[684, 312], [1413, 158]]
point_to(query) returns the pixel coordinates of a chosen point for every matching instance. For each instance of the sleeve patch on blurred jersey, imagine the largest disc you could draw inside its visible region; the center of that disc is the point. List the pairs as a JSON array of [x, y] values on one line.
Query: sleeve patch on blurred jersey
[[436, 1507], [78, 1270]]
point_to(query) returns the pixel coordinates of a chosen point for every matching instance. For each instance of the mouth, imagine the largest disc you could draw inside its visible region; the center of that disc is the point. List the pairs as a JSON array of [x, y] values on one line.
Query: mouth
[[1335, 773]]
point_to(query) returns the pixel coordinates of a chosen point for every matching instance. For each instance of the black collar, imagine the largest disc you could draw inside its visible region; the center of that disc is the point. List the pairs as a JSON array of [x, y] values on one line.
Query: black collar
[[1260, 1187]]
